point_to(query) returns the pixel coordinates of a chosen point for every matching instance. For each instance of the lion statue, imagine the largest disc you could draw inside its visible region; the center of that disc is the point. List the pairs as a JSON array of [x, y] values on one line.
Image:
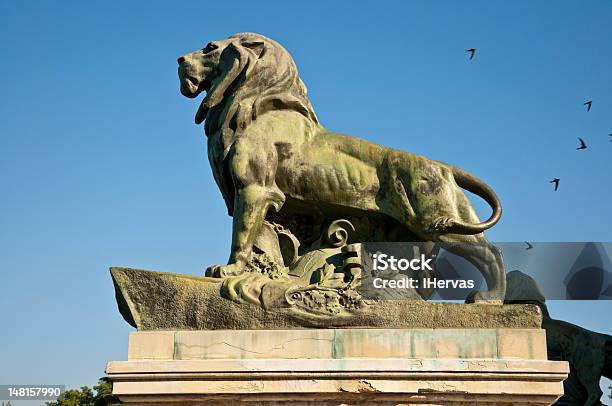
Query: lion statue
[[589, 353], [271, 157]]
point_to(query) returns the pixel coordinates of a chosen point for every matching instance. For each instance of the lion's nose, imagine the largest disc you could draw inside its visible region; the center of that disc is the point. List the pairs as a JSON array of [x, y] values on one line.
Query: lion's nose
[[181, 59]]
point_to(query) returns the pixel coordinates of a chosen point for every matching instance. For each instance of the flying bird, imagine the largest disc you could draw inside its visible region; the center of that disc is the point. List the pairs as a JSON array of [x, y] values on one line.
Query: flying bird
[[582, 144], [529, 246], [472, 52], [556, 182], [588, 104]]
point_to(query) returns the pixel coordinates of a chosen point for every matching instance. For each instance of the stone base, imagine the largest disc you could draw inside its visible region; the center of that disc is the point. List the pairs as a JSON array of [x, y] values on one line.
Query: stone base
[[339, 367], [162, 301]]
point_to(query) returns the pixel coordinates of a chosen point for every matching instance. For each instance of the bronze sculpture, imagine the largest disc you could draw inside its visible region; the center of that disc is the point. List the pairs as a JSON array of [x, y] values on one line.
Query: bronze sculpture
[[284, 177], [589, 353]]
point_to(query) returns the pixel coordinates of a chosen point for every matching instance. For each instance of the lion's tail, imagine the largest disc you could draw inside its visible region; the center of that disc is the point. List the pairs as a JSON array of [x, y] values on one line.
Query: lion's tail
[[479, 188]]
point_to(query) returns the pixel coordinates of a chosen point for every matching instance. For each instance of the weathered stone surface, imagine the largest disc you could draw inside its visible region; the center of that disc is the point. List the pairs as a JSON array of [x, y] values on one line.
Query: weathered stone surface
[[161, 301], [338, 367], [335, 382], [344, 343]]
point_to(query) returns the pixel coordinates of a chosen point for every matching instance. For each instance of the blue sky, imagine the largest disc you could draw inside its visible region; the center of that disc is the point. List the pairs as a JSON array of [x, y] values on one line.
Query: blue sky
[[101, 164]]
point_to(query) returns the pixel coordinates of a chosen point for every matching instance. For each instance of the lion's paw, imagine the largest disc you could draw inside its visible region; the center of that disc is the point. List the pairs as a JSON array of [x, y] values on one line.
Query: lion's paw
[[223, 271]]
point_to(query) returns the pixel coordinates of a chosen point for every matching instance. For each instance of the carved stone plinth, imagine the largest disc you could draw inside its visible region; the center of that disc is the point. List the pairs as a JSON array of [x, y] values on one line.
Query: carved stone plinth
[[151, 300], [339, 367]]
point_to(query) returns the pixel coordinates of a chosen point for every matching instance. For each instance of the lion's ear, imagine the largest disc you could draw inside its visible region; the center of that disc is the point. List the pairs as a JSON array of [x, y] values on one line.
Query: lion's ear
[[257, 47]]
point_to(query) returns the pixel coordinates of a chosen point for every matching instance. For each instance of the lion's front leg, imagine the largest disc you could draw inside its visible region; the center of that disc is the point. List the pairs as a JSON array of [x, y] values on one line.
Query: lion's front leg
[[250, 208]]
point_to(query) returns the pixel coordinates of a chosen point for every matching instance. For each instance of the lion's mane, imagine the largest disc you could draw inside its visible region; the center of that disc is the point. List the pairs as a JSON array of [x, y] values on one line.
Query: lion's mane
[[268, 81]]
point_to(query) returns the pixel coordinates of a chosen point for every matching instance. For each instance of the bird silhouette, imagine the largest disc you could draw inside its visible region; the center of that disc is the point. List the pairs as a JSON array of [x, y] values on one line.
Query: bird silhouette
[[588, 104], [529, 246], [582, 144], [472, 52], [610, 135], [556, 182]]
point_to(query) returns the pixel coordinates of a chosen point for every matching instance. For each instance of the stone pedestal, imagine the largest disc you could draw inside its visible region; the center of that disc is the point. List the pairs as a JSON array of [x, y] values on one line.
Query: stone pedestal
[[339, 367]]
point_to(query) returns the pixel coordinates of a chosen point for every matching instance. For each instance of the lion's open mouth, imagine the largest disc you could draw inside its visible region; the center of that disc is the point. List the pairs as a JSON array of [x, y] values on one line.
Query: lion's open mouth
[[192, 87], [193, 82]]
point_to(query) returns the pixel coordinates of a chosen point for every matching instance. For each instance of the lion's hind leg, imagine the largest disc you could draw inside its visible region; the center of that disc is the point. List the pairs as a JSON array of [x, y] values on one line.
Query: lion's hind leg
[[477, 250], [433, 195], [486, 258], [422, 194]]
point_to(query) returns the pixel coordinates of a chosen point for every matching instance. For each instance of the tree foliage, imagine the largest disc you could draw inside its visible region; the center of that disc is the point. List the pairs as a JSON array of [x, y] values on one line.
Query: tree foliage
[[85, 397], [104, 393]]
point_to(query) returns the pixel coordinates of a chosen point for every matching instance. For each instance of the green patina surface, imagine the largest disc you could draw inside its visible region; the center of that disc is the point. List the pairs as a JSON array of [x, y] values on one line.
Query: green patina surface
[[284, 176]]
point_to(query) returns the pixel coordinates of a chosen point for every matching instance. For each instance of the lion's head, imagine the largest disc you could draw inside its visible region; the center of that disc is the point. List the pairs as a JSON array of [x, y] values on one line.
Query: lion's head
[[243, 76]]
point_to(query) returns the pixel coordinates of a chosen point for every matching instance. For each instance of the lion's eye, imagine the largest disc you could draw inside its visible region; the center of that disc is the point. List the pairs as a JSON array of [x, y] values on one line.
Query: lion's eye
[[209, 48]]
